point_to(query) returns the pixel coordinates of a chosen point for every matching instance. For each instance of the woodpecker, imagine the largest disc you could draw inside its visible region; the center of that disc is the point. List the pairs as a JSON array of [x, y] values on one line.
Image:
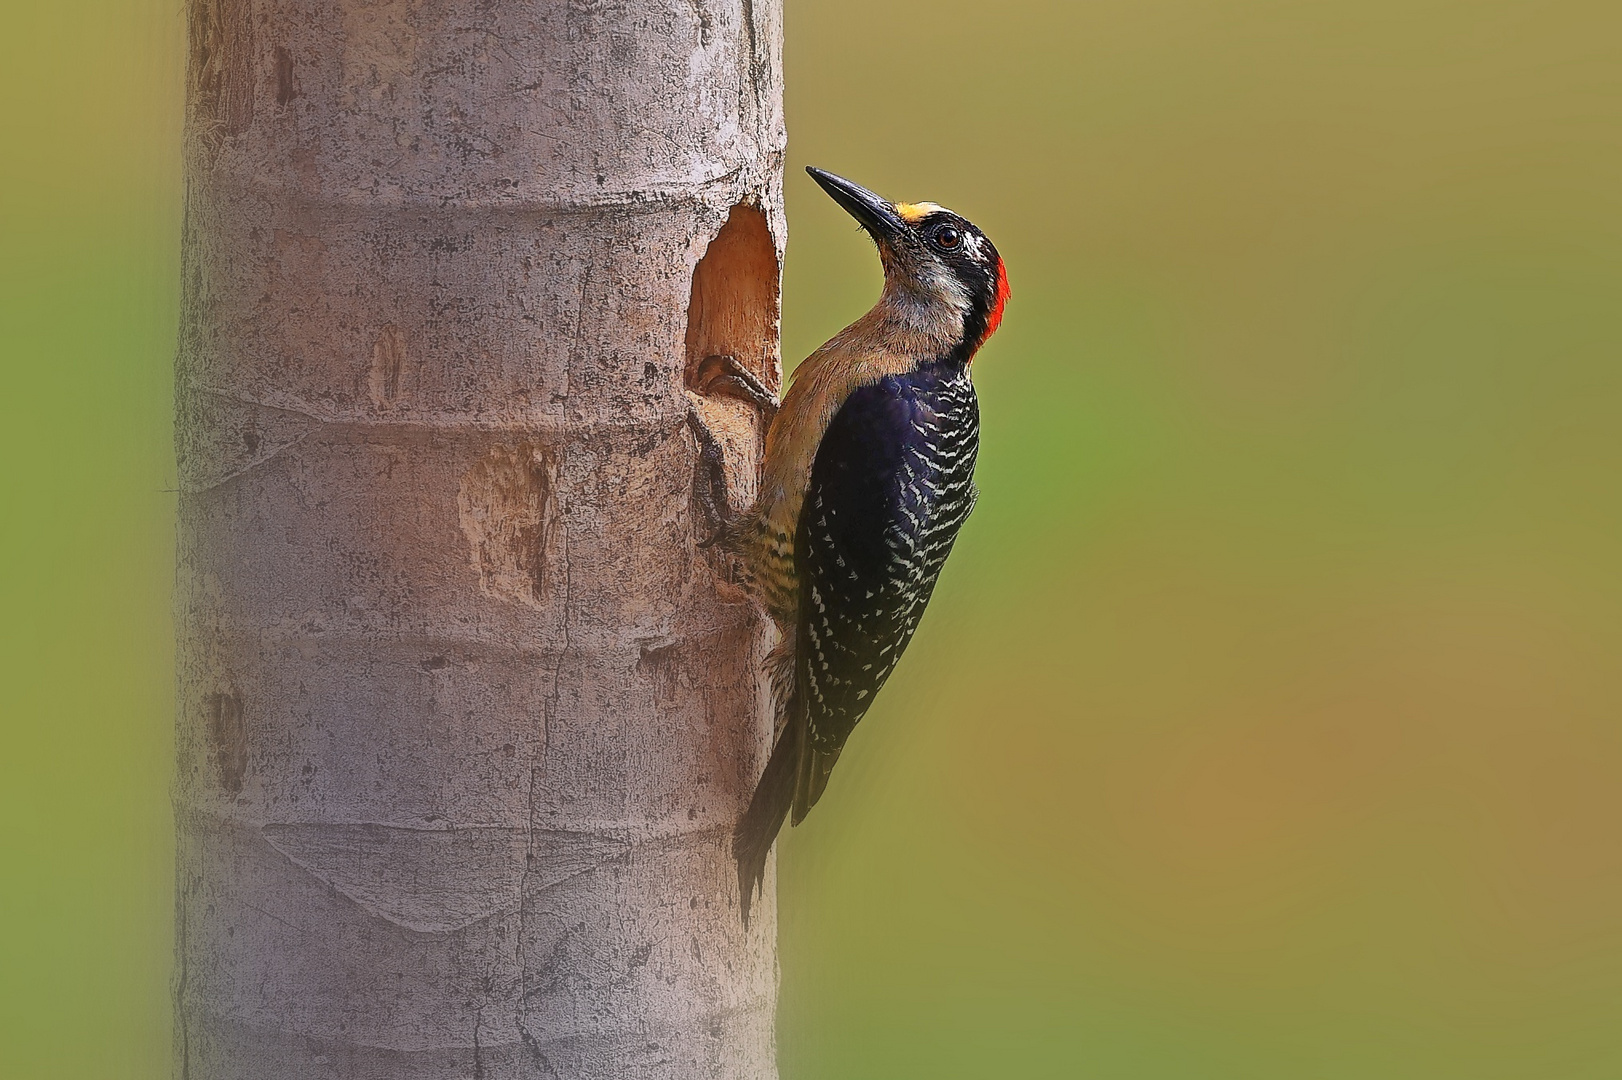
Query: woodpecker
[[868, 476]]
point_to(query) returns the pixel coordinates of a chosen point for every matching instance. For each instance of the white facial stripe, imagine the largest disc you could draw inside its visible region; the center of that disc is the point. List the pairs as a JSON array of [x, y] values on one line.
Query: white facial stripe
[[943, 286]]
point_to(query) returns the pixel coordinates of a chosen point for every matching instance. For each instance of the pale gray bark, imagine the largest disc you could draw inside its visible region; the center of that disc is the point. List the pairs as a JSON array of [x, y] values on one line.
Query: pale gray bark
[[465, 717]]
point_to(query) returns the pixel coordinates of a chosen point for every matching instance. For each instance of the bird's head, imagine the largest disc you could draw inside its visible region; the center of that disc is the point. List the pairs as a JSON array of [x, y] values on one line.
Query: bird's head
[[937, 264]]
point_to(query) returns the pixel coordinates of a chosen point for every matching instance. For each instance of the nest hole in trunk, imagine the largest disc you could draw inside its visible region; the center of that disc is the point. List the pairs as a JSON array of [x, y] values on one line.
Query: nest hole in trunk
[[733, 310]]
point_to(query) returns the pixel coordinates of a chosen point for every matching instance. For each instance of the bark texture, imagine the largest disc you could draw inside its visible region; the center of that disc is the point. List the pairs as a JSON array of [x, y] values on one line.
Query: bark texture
[[465, 715]]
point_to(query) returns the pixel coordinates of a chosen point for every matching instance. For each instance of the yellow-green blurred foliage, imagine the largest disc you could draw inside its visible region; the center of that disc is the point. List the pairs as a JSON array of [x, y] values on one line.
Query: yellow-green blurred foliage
[[89, 285], [1267, 722]]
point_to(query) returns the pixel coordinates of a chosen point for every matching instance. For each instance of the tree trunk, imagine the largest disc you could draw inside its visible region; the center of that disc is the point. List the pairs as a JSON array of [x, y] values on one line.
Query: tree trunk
[[465, 716]]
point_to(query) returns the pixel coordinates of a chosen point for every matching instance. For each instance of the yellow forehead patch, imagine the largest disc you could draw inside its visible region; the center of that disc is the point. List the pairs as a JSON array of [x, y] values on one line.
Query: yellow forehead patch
[[914, 212]]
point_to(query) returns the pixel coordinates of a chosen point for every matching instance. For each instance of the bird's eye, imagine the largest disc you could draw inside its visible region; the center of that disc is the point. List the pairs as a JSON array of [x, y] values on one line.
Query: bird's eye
[[948, 238]]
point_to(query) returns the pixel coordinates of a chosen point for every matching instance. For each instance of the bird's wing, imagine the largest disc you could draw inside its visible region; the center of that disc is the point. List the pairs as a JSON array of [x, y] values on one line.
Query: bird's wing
[[890, 487]]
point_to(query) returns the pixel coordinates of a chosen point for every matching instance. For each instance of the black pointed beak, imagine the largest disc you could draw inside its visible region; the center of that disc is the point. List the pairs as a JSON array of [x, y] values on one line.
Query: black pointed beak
[[876, 215]]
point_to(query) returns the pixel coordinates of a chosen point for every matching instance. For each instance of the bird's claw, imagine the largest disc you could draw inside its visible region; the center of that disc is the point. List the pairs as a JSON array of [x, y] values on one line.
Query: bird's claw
[[710, 480], [721, 376], [725, 376]]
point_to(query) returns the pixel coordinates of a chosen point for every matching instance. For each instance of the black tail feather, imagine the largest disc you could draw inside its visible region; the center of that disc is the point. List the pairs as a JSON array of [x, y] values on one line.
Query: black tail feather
[[773, 797], [815, 768]]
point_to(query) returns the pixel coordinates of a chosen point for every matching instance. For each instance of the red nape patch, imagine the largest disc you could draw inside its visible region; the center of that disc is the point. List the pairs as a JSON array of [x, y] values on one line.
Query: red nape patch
[[994, 319]]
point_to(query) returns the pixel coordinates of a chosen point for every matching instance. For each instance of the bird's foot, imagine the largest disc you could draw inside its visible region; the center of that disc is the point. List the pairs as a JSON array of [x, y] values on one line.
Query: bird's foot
[[725, 376], [710, 480], [721, 375]]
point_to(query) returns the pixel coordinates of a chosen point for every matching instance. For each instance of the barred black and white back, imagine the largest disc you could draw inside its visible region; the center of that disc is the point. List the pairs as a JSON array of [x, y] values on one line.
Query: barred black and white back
[[900, 455], [891, 486]]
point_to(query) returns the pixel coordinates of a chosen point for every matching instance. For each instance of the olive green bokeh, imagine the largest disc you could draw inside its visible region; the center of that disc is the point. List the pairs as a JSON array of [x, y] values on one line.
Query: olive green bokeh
[[1268, 719]]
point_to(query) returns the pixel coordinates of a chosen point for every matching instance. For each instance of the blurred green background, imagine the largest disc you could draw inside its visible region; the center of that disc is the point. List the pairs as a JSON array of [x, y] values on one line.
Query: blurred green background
[[1268, 720]]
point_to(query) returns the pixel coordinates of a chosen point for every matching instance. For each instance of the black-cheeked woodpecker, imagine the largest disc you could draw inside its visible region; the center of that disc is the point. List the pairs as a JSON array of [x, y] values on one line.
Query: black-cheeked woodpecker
[[867, 478]]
